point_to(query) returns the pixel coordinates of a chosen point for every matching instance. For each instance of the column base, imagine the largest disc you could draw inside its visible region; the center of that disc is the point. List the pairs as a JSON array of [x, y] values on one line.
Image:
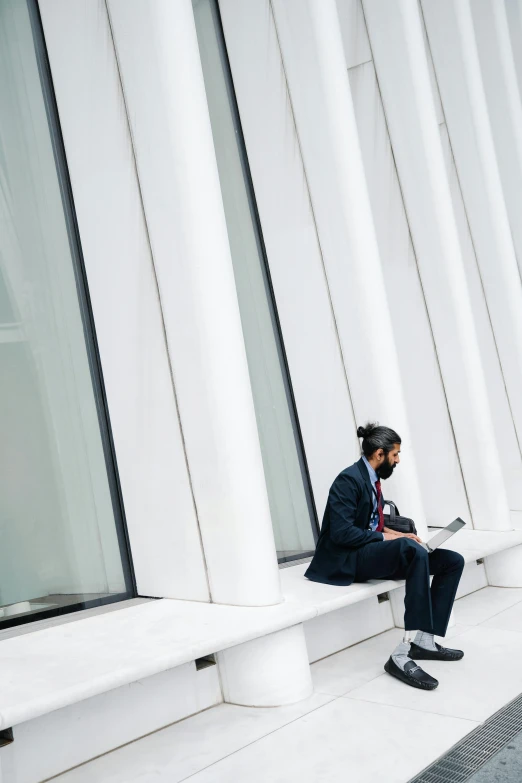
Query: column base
[[267, 672]]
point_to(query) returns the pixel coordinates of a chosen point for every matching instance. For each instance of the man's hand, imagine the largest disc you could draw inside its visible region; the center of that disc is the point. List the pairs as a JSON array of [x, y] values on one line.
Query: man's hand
[[391, 535]]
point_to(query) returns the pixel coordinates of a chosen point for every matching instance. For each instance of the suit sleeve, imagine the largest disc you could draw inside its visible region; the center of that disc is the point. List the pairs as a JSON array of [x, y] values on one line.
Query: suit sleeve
[[343, 500]]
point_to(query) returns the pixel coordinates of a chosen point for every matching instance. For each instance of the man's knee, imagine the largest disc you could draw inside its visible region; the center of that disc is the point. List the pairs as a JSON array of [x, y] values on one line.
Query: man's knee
[[454, 560], [446, 561], [412, 548]]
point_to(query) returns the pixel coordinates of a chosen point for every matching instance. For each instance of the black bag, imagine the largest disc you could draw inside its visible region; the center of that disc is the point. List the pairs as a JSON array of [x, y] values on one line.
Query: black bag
[[394, 521]]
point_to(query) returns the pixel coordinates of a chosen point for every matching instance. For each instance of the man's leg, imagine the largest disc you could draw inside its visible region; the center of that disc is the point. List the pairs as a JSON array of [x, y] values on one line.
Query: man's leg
[[446, 567], [403, 558]]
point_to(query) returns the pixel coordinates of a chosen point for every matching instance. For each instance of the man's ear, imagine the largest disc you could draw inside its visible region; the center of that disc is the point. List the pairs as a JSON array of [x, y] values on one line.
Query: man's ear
[[380, 453]]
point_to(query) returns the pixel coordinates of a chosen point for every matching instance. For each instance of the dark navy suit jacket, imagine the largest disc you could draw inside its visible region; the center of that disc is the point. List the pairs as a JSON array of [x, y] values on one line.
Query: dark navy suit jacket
[[345, 528]]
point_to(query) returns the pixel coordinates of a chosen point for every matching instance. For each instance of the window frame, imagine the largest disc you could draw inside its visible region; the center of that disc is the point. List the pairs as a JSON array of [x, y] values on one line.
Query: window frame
[[91, 342]]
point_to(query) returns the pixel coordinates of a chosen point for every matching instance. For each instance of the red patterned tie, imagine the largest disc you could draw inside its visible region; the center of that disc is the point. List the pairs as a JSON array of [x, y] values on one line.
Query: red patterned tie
[[380, 526]]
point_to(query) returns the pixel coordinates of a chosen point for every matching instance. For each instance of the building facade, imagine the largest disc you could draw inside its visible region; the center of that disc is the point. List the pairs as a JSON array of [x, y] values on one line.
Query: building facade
[[232, 231]]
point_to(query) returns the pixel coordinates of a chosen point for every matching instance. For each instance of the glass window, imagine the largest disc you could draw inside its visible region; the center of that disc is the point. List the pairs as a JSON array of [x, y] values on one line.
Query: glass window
[[289, 493], [62, 541]]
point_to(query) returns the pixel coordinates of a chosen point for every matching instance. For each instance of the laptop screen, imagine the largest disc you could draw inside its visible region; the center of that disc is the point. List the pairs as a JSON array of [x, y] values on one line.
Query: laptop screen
[[442, 536]]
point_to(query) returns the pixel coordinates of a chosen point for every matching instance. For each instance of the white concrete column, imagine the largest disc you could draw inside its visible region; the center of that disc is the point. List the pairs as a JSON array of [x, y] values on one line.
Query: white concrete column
[[499, 77], [163, 85], [267, 672], [290, 237], [402, 69], [514, 18], [454, 49], [313, 57]]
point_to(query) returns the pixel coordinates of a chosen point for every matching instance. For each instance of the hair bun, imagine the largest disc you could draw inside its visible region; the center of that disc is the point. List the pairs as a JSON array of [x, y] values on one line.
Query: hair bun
[[365, 432]]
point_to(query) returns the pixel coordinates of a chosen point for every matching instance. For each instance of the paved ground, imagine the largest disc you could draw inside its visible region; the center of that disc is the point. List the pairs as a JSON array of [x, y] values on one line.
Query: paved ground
[[360, 725], [505, 767]]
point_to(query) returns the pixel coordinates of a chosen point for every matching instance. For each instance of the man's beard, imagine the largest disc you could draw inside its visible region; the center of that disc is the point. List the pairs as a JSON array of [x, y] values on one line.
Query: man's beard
[[385, 470]]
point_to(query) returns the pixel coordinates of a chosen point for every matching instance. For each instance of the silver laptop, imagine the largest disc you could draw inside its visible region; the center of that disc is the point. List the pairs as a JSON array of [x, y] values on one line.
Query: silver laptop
[[443, 535]]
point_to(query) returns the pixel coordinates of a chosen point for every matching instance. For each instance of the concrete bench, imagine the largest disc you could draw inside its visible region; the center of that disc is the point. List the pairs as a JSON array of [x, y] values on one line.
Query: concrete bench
[[60, 665], [139, 660], [57, 666]]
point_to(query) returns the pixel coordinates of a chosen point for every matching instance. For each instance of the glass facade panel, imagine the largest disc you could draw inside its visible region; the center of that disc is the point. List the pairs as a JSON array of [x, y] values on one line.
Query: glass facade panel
[[62, 541], [289, 493]]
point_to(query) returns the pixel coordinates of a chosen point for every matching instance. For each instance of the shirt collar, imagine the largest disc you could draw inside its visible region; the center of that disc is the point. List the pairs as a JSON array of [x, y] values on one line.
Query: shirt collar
[[373, 475]]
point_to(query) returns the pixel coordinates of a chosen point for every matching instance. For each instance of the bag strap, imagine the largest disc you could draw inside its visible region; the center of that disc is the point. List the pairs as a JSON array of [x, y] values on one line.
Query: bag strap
[[394, 511]]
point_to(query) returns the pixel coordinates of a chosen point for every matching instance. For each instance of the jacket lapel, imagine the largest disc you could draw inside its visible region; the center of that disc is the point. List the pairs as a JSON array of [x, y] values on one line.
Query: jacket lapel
[[363, 470]]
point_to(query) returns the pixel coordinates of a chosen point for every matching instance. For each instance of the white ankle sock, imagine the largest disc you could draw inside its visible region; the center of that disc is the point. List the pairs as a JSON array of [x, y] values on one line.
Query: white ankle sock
[[401, 654], [425, 640]]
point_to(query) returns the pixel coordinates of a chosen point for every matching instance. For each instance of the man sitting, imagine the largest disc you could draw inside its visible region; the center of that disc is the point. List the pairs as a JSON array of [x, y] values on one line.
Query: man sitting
[[354, 546]]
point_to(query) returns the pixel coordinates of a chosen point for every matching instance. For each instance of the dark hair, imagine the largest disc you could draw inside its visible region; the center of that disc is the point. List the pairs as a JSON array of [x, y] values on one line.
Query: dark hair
[[376, 437]]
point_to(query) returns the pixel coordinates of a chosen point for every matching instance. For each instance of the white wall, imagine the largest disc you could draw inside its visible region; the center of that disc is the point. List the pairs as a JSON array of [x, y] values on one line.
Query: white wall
[[455, 50], [506, 436], [338, 213], [499, 76], [439, 470], [470, 241], [313, 59], [284, 113]]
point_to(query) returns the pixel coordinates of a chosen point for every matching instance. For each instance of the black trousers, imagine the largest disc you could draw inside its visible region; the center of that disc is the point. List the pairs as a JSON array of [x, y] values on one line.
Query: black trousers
[[426, 608]]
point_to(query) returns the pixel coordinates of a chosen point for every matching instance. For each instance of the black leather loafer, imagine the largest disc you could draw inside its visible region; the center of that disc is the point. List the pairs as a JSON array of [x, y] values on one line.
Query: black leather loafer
[[412, 675], [441, 654]]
